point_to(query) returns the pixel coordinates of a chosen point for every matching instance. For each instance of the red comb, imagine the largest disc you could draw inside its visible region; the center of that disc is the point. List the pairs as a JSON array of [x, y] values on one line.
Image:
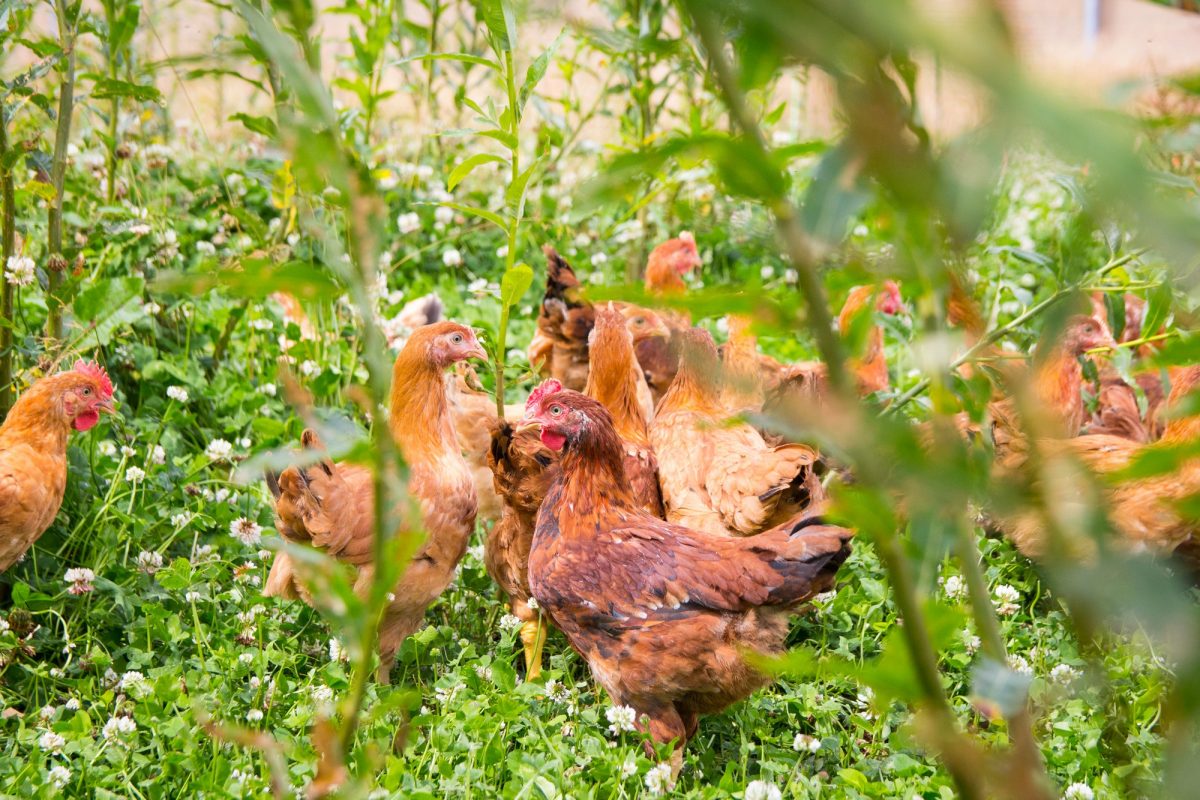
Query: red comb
[[549, 386], [96, 372]]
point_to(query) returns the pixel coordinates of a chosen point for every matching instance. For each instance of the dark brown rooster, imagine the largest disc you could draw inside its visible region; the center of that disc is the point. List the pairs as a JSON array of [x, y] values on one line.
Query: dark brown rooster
[[560, 345], [663, 615]]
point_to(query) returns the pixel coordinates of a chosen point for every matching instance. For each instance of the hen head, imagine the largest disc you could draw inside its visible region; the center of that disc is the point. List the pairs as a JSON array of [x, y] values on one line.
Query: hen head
[[1084, 333], [671, 260], [444, 343], [566, 417], [643, 323], [83, 394]]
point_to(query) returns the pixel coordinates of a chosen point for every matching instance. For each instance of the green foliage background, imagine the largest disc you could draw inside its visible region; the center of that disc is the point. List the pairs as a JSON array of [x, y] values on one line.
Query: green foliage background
[[173, 244]]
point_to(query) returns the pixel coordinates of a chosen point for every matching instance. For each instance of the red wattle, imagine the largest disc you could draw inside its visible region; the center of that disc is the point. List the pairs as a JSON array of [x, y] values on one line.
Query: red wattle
[[553, 440], [87, 419]]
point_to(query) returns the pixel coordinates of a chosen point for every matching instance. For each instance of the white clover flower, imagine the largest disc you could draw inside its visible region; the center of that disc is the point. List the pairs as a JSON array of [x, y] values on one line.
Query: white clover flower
[[134, 683], [20, 271], [135, 474], [762, 790], [599, 260], [106, 448], [158, 455], [246, 531], [336, 651], [127, 451], [502, 251], [409, 223], [767, 272], [4, 626], [532, 603], [805, 743], [1064, 673], [1079, 791], [322, 697], [269, 389], [245, 443], [1008, 599], [659, 780], [246, 658], [1019, 664], [177, 393], [206, 248], [219, 450], [46, 712], [262, 324], [954, 587], [510, 623], [118, 728], [621, 719], [970, 641], [483, 673], [445, 694], [452, 258], [52, 741], [72, 704], [791, 276], [629, 766], [80, 579], [254, 715], [192, 597], [151, 308], [478, 285], [180, 519], [60, 776], [443, 215]]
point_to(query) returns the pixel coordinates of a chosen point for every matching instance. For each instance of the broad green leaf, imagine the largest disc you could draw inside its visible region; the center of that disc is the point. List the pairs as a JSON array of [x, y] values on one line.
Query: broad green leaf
[[257, 124], [515, 284], [498, 16], [110, 87], [502, 136], [515, 193], [537, 71], [257, 277], [482, 213], [465, 167], [465, 58], [108, 305]]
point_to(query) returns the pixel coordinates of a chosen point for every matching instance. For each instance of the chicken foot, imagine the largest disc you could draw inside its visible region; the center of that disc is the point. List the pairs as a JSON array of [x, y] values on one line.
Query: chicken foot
[[533, 638]]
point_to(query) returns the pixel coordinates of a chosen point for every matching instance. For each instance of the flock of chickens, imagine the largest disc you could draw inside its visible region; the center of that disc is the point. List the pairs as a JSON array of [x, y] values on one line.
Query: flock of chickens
[[632, 505]]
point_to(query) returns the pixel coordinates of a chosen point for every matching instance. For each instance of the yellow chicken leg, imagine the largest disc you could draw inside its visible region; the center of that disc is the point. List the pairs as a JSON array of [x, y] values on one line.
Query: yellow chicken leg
[[533, 636]]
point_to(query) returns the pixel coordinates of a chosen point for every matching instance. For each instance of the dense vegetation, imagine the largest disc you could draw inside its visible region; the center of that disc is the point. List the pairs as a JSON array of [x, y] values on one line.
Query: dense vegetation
[[137, 655]]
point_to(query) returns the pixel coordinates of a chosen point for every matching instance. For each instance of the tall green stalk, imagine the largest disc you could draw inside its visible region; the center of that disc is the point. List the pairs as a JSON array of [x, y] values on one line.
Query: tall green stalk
[[8, 243], [55, 263]]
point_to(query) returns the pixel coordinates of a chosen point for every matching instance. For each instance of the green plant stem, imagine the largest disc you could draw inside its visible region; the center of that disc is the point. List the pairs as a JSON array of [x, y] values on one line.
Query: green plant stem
[[8, 243], [995, 335], [797, 244], [514, 114], [921, 650], [58, 173]]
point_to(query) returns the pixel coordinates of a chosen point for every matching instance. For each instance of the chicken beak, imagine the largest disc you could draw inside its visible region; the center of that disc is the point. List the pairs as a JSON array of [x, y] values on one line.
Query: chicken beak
[[527, 424], [477, 351], [107, 406]]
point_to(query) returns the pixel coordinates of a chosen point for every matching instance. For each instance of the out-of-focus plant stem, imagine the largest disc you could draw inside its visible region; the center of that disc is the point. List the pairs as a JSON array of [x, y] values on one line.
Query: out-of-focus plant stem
[[55, 265], [8, 244], [510, 257], [796, 242], [1020, 724], [999, 333]]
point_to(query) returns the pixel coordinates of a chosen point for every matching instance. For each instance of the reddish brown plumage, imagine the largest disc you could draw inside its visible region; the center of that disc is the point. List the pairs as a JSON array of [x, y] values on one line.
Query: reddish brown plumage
[[1144, 512], [33, 451], [331, 506], [722, 477], [559, 347], [613, 381], [662, 614]]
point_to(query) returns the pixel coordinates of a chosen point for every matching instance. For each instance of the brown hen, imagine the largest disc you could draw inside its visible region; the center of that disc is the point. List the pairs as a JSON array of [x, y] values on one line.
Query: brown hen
[[332, 506], [720, 477], [1144, 511], [33, 451], [560, 344], [664, 615], [613, 381]]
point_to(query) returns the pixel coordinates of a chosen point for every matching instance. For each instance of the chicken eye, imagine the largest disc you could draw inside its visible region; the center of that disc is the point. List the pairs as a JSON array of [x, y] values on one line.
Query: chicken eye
[[556, 411], [639, 321], [86, 391], [457, 338]]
